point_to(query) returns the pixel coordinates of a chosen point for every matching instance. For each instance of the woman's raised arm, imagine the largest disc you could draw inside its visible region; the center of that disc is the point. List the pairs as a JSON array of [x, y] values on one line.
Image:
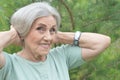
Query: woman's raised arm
[[92, 44], [6, 38]]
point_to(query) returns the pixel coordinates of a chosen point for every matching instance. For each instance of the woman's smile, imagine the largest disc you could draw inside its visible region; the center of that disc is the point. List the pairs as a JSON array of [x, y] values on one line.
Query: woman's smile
[[45, 46]]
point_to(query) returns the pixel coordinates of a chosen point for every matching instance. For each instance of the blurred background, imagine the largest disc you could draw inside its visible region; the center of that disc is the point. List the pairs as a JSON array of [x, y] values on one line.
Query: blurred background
[[99, 16]]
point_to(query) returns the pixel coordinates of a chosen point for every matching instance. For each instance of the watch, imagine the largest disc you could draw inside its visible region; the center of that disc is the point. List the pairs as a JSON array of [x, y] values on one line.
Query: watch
[[76, 38]]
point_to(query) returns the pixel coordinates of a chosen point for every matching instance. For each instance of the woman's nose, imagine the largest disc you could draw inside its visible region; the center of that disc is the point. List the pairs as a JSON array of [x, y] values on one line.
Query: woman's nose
[[48, 36]]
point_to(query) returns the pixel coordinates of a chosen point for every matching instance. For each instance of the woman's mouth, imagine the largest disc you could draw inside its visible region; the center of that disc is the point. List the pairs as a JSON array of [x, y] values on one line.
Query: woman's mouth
[[45, 45]]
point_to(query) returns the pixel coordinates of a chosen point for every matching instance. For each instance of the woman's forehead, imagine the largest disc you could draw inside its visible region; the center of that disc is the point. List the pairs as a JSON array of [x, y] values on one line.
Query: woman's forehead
[[46, 20]]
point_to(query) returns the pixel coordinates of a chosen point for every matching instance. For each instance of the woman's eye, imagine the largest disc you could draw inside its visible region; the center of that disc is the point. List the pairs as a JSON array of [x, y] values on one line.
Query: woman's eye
[[41, 29], [53, 30]]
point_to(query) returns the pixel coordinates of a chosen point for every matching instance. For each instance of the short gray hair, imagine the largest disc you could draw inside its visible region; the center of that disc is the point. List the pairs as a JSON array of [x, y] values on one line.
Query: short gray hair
[[23, 18]]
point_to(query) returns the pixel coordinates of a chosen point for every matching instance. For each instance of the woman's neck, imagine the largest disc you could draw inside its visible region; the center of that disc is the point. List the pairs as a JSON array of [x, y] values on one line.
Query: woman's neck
[[31, 56]]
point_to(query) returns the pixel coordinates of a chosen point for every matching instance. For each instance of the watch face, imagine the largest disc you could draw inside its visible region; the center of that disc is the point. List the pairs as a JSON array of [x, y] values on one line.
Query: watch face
[[77, 35], [76, 38]]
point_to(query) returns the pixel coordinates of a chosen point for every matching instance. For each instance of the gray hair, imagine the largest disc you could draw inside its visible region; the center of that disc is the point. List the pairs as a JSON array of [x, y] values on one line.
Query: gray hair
[[23, 18]]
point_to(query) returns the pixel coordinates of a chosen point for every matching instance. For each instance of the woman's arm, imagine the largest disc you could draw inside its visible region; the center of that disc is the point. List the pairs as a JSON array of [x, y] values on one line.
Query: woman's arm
[[92, 44], [6, 38]]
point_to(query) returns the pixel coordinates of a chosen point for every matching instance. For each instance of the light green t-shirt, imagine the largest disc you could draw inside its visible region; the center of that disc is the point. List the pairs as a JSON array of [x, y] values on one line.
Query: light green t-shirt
[[56, 67]]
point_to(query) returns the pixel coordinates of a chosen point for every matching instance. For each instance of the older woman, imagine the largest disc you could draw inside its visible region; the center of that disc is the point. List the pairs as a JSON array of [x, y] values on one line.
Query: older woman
[[34, 27]]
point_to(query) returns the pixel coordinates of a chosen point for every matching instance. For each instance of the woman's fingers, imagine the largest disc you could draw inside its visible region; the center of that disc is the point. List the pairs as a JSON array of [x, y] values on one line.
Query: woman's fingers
[[17, 39]]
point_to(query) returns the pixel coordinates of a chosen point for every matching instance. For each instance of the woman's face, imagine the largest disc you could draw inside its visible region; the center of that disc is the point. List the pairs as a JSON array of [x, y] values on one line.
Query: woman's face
[[40, 38]]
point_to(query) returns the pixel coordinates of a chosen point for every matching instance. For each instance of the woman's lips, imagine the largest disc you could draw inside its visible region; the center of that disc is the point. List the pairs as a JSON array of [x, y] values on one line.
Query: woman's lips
[[45, 45]]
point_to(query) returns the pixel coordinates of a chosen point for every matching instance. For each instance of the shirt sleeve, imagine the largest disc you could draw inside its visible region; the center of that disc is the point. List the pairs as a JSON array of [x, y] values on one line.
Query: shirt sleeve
[[72, 55], [5, 69]]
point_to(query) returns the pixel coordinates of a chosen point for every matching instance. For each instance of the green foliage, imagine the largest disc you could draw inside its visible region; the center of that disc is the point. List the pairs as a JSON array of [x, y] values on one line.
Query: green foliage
[[7, 7], [101, 16]]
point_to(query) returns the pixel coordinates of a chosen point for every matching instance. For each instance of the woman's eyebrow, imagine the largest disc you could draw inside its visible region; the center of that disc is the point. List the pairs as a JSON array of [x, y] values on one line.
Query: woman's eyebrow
[[41, 24], [53, 26]]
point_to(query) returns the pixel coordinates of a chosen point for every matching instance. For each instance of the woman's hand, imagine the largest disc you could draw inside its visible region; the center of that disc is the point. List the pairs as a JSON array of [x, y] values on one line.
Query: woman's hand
[[56, 38], [64, 37], [15, 38], [9, 37]]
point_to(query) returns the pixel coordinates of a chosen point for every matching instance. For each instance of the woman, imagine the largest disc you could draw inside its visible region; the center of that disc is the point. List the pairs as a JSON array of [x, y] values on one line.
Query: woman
[[34, 27]]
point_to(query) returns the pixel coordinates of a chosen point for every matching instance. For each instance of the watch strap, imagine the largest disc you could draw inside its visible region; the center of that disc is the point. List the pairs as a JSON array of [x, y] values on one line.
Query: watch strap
[[76, 38]]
